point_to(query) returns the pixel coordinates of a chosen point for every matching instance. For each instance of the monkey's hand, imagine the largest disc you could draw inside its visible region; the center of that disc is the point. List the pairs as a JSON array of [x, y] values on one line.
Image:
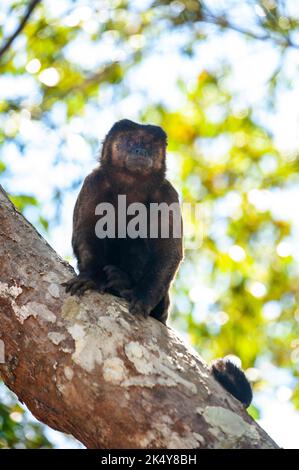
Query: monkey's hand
[[140, 306], [83, 282]]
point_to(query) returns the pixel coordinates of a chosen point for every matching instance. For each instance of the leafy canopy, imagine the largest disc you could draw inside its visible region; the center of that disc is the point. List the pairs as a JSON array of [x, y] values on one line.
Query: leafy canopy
[[236, 292]]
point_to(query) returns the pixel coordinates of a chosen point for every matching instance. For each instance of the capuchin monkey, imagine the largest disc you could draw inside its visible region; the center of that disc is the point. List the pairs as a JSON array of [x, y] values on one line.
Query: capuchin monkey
[[137, 268]]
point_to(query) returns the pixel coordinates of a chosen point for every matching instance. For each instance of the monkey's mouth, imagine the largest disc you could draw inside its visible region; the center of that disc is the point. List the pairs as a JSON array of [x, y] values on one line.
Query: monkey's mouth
[[138, 163]]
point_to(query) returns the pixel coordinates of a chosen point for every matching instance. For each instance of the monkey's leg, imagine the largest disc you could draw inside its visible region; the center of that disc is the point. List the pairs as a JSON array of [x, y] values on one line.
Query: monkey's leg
[[118, 282], [157, 276], [160, 312]]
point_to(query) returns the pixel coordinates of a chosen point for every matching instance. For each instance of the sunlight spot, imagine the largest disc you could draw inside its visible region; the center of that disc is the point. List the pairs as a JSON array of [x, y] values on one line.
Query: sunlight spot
[[283, 249], [137, 41], [257, 289], [259, 198], [203, 294], [236, 253], [49, 77], [16, 416], [271, 310], [33, 66]]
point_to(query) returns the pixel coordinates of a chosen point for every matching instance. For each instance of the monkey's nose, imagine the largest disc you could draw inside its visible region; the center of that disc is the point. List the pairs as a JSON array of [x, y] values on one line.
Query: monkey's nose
[[140, 152]]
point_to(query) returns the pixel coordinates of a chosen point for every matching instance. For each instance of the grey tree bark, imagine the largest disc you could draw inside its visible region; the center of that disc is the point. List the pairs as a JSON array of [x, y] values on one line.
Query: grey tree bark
[[88, 367]]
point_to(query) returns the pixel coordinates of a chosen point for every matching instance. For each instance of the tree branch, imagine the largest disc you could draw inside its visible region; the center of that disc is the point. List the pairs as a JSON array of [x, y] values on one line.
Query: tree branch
[[9, 41], [90, 368], [206, 15], [223, 23]]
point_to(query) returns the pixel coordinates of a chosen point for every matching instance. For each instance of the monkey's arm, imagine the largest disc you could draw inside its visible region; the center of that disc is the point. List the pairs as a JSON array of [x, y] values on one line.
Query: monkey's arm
[[166, 254], [88, 249]]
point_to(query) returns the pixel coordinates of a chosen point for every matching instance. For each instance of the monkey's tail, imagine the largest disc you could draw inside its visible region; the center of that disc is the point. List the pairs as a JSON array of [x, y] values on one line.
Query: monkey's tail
[[233, 380]]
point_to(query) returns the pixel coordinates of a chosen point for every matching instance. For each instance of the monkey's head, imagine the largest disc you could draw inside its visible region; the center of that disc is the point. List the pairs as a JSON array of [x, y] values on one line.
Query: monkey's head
[[135, 148]]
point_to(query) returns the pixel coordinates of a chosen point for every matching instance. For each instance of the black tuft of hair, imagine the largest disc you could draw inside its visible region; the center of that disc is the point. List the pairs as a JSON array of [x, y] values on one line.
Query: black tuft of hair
[[233, 379], [123, 125], [126, 125]]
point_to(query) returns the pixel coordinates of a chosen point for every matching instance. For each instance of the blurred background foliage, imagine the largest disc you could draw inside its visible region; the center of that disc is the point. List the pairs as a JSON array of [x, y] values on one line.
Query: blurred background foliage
[[69, 68]]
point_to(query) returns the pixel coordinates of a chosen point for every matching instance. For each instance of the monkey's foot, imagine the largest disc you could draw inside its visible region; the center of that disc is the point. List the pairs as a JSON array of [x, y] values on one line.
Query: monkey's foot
[[81, 283], [139, 307], [118, 281]]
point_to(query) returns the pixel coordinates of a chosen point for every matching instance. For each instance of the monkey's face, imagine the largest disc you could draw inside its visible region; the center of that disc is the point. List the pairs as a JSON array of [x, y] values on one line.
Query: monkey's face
[[139, 149]]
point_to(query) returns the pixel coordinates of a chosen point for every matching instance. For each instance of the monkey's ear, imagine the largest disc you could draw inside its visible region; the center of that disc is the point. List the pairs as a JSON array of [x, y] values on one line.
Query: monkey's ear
[[160, 133]]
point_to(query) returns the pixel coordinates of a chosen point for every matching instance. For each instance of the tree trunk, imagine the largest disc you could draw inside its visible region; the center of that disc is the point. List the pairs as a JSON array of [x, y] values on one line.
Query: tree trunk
[[88, 367]]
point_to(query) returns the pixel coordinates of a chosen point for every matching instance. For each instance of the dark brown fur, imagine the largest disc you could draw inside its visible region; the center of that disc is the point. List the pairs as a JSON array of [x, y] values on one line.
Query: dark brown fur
[[141, 270]]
